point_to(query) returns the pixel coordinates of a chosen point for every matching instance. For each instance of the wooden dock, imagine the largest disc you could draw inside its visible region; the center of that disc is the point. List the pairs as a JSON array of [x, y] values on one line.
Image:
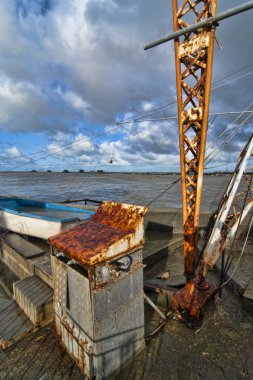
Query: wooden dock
[[14, 323]]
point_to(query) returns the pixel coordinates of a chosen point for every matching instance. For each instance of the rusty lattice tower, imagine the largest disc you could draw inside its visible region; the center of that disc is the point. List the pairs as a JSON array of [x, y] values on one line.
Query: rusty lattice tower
[[194, 32], [193, 57]]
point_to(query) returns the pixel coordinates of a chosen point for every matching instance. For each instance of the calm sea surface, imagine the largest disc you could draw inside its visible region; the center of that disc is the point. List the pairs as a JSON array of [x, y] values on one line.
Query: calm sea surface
[[129, 188]]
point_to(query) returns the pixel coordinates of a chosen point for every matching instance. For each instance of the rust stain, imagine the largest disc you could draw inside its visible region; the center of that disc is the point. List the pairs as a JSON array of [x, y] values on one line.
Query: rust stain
[[191, 305], [118, 216], [192, 114], [194, 45], [190, 247], [79, 361], [88, 243]]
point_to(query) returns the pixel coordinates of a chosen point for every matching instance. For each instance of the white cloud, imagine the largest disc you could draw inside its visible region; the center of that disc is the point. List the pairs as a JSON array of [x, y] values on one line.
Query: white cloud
[[13, 154], [73, 100], [13, 151], [80, 148], [148, 106], [81, 64]]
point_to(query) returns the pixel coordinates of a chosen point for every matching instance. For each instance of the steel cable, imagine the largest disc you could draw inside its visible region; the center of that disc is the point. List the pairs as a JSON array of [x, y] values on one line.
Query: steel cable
[[240, 257], [230, 258]]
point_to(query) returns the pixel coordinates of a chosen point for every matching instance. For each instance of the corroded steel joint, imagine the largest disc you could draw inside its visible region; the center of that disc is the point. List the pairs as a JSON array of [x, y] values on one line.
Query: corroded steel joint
[[190, 305]]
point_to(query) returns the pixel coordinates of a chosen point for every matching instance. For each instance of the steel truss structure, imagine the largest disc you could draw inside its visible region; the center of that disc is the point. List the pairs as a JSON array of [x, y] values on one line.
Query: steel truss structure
[[194, 58], [194, 33]]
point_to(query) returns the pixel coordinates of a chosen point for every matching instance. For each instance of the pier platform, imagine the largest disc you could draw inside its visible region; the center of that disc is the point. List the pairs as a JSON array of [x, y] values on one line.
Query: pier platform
[[224, 337]]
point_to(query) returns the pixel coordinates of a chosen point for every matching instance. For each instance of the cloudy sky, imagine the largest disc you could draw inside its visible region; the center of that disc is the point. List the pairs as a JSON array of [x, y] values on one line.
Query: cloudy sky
[[72, 70]]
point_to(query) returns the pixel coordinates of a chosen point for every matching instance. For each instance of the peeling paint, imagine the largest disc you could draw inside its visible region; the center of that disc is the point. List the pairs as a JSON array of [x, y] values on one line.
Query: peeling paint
[[194, 45]]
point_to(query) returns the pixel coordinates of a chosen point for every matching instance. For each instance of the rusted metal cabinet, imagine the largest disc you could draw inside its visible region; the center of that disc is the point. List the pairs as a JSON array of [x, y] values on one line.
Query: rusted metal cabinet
[[99, 311]]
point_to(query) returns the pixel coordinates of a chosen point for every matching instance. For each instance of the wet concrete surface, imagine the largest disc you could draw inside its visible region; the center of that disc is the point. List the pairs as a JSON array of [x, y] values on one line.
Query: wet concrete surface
[[219, 347]]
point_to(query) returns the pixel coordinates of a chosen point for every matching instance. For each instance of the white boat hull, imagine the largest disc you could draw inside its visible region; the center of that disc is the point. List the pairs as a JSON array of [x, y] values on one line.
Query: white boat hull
[[31, 226], [39, 219]]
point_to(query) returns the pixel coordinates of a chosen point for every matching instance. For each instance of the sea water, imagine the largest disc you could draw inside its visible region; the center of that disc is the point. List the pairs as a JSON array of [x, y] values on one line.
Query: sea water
[[133, 188]]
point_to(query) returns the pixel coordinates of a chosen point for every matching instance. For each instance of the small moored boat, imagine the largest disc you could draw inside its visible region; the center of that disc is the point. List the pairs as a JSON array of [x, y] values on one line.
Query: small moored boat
[[39, 219]]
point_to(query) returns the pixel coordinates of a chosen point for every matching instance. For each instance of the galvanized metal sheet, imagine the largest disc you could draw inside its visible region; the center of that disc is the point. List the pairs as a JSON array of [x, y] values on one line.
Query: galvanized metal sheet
[[60, 281], [77, 348], [119, 337], [80, 306], [111, 298], [102, 325]]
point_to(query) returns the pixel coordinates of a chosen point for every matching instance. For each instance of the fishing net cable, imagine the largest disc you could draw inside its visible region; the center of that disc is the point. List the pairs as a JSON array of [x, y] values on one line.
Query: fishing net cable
[[218, 80], [171, 184], [212, 145], [218, 148], [66, 146], [95, 167]]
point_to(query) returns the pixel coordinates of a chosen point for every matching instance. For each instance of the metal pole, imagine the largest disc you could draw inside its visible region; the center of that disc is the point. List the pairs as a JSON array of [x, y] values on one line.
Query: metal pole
[[209, 71], [151, 303], [204, 23]]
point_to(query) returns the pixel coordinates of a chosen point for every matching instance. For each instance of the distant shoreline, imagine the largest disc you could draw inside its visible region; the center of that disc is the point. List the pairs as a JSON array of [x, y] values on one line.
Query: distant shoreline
[[106, 172]]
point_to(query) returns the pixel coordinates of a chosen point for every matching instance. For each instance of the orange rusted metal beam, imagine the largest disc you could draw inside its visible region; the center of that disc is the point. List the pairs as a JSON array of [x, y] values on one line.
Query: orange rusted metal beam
[[193, 59]]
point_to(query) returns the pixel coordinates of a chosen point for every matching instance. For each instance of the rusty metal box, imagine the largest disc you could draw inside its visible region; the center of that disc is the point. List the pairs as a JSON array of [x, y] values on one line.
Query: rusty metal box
[[99, 312], [98, 288]]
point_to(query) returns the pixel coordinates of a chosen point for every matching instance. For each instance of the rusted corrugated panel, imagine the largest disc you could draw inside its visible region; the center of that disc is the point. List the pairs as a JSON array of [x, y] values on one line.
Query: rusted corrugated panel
[[114, 229]]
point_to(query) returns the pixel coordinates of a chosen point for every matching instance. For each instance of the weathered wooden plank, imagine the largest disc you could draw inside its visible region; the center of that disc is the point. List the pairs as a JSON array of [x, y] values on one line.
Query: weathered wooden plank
[[26, 249], [35, 298], [43, 269], [14, 324]]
